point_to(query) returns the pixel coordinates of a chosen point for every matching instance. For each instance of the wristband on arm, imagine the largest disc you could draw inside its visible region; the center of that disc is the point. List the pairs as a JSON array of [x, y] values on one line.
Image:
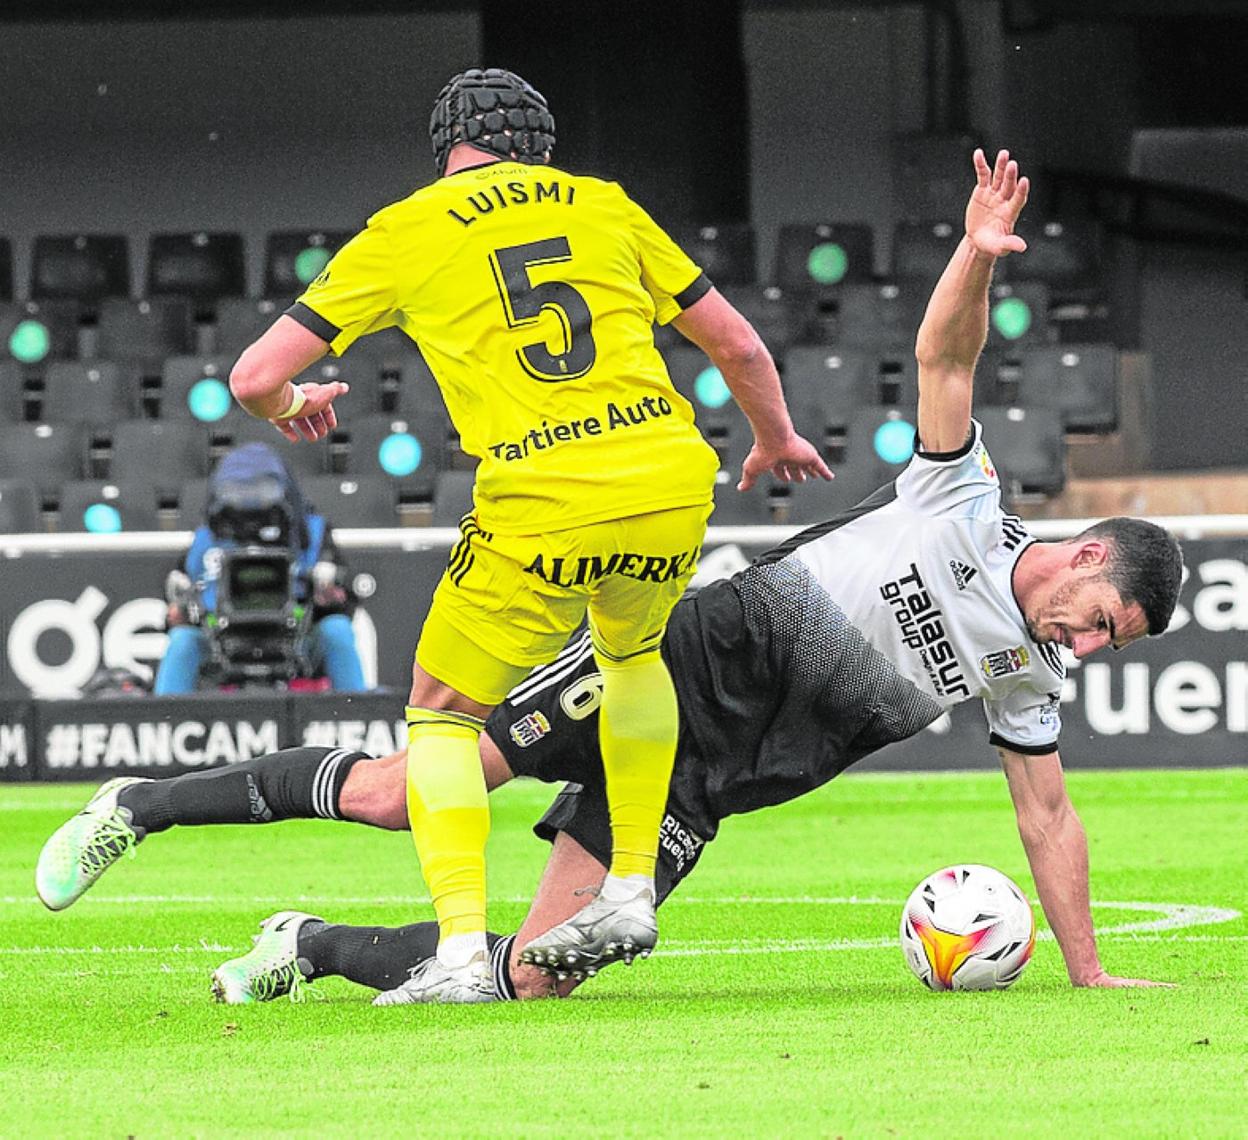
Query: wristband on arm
[[298, 399]]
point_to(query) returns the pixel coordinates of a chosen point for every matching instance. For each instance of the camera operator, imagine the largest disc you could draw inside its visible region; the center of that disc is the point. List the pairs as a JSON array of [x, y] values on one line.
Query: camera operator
[[262, 596]]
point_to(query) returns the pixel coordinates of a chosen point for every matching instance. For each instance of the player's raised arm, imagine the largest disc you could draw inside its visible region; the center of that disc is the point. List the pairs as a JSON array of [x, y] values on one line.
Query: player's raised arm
[[955, 325], [1057, 851]]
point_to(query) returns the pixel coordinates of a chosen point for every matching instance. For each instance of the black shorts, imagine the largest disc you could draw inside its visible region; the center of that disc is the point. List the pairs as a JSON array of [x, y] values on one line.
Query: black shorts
[[548, 729]]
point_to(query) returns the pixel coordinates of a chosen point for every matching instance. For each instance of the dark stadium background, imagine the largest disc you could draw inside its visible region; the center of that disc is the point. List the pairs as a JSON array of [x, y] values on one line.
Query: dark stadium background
[[138, 117]]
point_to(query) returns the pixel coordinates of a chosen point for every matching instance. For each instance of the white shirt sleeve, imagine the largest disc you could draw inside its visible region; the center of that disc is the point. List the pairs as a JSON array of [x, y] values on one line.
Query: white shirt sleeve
[[1027, 720], [956, 484]]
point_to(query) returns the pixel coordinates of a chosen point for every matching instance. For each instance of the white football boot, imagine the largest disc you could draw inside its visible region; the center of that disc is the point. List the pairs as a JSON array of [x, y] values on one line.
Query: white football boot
[[431, 982], [84, 847], [271, 968]]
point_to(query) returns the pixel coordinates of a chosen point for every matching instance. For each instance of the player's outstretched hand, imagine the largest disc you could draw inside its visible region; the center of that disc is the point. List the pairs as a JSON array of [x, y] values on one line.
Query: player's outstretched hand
[[1104, 981], [316, 418], [794, 461], [997, 200]]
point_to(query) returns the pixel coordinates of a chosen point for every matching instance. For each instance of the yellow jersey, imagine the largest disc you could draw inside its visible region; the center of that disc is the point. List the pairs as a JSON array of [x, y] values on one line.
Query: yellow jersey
[[531, 294]]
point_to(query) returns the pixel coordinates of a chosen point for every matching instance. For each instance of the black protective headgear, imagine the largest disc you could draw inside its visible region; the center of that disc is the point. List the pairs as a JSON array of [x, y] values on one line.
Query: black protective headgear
[[495, 111]]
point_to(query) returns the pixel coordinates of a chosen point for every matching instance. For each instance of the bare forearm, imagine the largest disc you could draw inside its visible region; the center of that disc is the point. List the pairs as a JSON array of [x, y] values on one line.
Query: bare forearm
[[955, 324], [1057, 851], [752, 379], [262, 392]]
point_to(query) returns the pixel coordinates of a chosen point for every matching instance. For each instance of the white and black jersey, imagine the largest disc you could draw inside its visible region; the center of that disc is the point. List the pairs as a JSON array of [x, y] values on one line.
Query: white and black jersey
[[854, 634]]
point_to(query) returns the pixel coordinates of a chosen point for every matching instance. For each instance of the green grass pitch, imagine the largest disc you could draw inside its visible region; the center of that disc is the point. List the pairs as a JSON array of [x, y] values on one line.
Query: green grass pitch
[[778, 1003]]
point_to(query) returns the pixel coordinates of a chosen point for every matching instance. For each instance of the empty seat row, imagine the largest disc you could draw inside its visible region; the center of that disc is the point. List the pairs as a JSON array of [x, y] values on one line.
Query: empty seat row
[[206, 267], [200, 266], [824, 386], [166, 453], [880, 313]]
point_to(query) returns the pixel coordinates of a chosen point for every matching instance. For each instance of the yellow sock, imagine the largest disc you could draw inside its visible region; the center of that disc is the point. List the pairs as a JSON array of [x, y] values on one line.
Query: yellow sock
[[449, 813], [637, 731]]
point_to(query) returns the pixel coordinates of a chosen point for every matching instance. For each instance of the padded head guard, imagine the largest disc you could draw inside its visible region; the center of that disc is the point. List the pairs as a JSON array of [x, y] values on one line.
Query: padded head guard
[[495, 111]]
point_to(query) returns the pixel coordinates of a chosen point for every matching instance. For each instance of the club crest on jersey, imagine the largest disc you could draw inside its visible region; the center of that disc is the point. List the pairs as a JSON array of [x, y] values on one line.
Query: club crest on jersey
[[529, 729], [1004, 662], [962, 573]]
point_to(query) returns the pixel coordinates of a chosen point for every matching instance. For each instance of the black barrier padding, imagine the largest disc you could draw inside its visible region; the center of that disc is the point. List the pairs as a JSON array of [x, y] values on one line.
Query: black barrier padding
[[155, 736], [17, 738]]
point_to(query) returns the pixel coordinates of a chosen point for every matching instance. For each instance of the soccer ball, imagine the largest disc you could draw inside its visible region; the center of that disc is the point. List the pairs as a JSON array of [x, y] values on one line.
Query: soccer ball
[[967, 928]]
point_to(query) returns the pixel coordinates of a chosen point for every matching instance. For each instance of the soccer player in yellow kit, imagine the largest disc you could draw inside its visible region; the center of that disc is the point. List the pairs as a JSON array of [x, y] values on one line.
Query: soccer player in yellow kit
[[532, 293]]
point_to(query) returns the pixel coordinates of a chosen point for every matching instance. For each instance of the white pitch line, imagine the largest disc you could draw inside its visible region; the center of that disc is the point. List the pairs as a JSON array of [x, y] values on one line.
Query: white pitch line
[[1174, 916], [670, 950]]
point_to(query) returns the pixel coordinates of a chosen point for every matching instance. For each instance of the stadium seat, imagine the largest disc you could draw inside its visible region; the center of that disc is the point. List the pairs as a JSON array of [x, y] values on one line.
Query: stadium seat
[[197, 386], [702, 384], [101, 507], [452, 497], [1067, 256], [1078, 381], [740, 508], [1028, 447], [83, 267], [293, 259], [302, 458], [192, 500], [1018, 313], [413, 394], [725, 252], [12, 392], [932, 175], [240, 321], [884, 315], [145, 332], [360, 372], [922, 249], [400, 448], [19, 507], [94, 392], [895, 380], [352, 501], [46, 454], [201, 266], [878, 447], [775, 315], [34, 331], [814, 256], [164, 453], [6, 270], [720, 420], [816, 500], [824, 386]]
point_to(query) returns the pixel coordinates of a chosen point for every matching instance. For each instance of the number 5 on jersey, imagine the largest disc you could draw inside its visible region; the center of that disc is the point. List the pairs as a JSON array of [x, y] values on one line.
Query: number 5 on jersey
[[524, 303]]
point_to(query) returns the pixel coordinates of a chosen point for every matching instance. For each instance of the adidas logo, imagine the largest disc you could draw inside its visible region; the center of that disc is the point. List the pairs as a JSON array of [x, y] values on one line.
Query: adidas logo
[[962, 573]]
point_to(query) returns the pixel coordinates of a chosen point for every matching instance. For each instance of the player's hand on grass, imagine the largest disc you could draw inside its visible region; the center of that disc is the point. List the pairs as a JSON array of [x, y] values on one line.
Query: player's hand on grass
[[1103, 981], [997, 200], [316, 418], [794, 461]]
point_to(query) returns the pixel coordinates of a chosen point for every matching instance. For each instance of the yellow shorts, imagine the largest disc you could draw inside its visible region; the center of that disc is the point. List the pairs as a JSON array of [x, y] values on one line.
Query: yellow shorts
[[507, 603]]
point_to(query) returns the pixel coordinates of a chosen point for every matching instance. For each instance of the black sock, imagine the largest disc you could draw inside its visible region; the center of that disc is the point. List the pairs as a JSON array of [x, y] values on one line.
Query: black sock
[[296, 783], [381, 957]]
